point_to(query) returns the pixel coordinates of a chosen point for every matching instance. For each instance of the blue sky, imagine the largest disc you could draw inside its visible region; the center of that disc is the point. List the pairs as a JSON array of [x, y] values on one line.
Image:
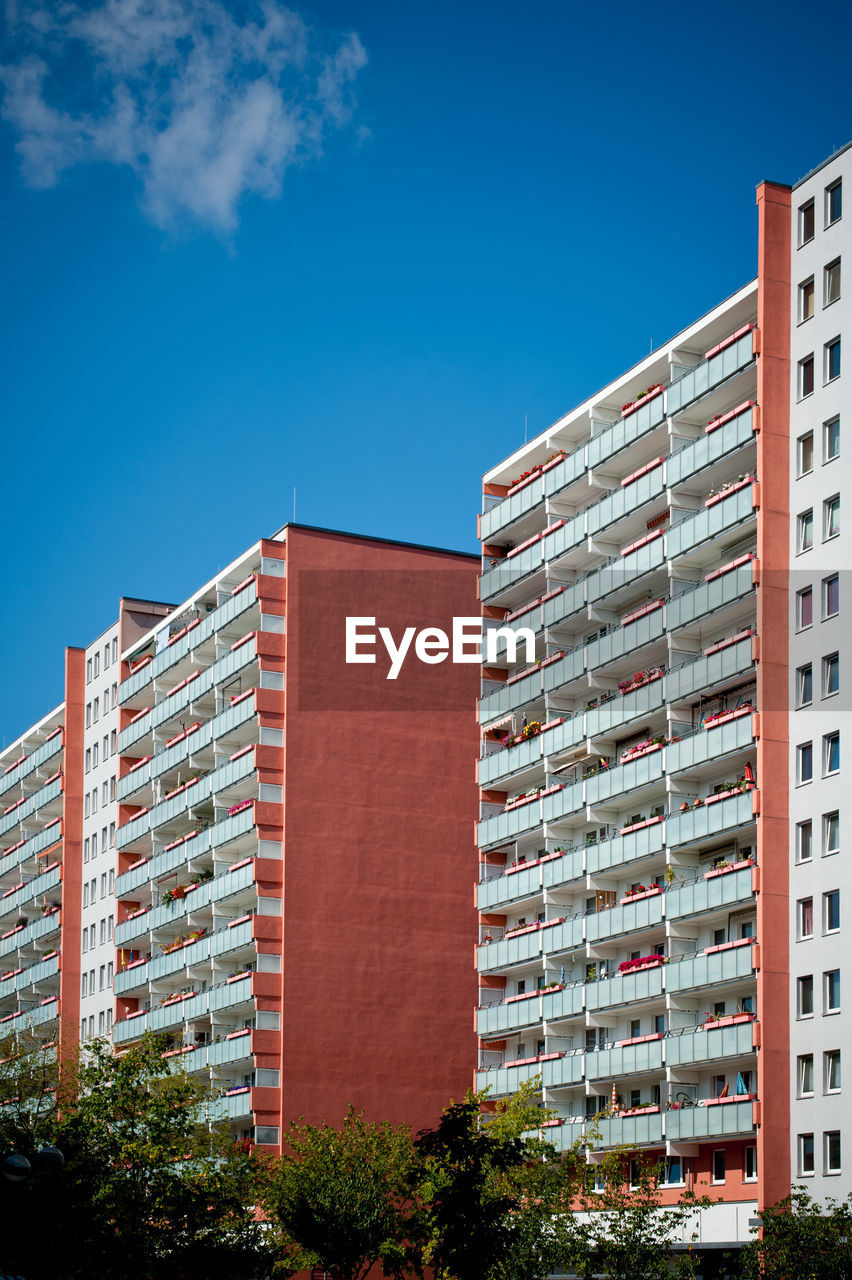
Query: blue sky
[[434, 221]]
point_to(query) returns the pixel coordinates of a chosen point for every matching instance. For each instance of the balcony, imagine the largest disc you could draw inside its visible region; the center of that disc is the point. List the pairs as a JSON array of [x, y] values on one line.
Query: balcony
[[691, 678], [526, 881], [711, 522], [202, 952], [710, 597], [623, 850], [555, 936], [19, 939], [228, 995], [37, 973], [632, 917], [613, 439], [622, 640], [203, 630], [192, 794], [236, 1047], [188, 851], [710, 373], [735, 887], [628, 988], [27, 766], [698, 971], [622, 1060], [625, 571], [28, 1019], [711, 744], [196, 898], [13, 900], [46, 803], [566, 472], [511, 508], [711, 447], [621, 779], [626, 499], [506, 573], [546, 806], [727, 1119], [531, 1010], [710, 1045], [28, 850], [706, 821], [642, 1130], [621, 709]]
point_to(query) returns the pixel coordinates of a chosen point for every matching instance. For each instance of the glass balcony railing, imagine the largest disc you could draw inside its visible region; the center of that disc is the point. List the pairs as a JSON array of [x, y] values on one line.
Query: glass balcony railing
[[211, 731], [711, 970], [624, 571], [234, 1107], [621, 709], [526, 946], [622, 850], [32, 933], [530, 881], [710, 744], [710, 448], [722, 1120], [623, 640], [561, 804], [218, 889], [568, 602], [709, 597], [225, 996], [39, 972], [504, 513], [734, 887], [506, 761], [50, 835], [630, 918], [710, 374], [622, 1060], [564, 937], [561, 1073], [509, 571], [566, 472], [620, 779], [42, 755], [195, 953], [567, 1003], [709, 820], [26, 1019], [31, 805], [709, 1044], [560, 673], [626, 988], [213, 837], [626, 499], [219, 617], [211, 784], [509, 697], [710, 522], [613, 439], [691, 678], [568, 536], [643, 1130], [42, 884]]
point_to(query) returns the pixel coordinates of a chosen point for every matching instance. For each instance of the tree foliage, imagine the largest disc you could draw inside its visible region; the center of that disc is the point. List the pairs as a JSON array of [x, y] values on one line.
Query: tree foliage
[[802, 1240]]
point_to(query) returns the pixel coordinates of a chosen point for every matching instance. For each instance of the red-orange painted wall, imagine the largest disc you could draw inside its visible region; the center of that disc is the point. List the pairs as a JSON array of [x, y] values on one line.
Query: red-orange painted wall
[[379, 856], [773, 542]]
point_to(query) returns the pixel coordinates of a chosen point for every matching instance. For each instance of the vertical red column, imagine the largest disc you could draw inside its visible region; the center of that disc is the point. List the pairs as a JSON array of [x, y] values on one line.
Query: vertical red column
[[773, 544], [72, 852]]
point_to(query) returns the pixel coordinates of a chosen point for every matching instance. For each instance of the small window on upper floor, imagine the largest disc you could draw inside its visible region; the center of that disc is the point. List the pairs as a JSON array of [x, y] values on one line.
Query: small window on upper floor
[[96, 670], [833, 202], [831, 911], [805, 762], [830, 595], [804, 841], [806, 300], [804, 608], [831, 517], [830, 674], [805, 1075], [106, 656], [831, 753], [115, 649], [831, 283], [805, 453], [830, 833], [830, 439], [804, 918], [807, 223], [804, 532], [832, 360], [804, 685], [806, 377], [88, 670]]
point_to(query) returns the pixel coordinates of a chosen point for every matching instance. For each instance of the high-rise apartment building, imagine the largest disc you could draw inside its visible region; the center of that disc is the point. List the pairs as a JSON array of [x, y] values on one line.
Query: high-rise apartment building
[[231, 835], [661, 877]]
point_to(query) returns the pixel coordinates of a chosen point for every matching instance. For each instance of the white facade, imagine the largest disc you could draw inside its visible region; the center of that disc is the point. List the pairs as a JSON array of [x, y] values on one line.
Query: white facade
[[820, 665]]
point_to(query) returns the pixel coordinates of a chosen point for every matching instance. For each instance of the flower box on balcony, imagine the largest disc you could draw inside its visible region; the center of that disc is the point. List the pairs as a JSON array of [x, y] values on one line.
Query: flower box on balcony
[[723, 871], [541, 1057], [20, 760], [525, 608], [539, 991], [726, 493], [642, 542], [653, 892], [720, 421], [538, 795], [238, 808], [535, 472], [636, 753], [650, 394], [729, 341], [241, 586], [637, 681], [642, 471], [531, 928], [643, 962], [139, 715], [634, 614], [230, 1093], [728, 1020], [728, 641], [638, 826], [731, 1097], [135, 1013], [140, 911], [728, 946], [654, 1035], [136, 664], [726, 795], [235, 1035], [721, 717], [552, 1124], [238, 977], [639, 1111]]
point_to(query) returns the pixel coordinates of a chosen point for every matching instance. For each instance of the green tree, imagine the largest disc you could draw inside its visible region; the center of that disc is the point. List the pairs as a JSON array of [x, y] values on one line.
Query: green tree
[[801, 1240], [623, 1231], [343, 1198], [148, 1189], [494, 1194]]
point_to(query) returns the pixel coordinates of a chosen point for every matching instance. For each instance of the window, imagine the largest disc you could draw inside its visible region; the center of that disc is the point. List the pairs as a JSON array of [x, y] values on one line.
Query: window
[[806, 377], [88, 759], [830, 439], [103, 884], [88, 714], [84, 985], [830, 833], [104, 841], [805, 453], [831, 283], [101, 977], [832, 360], [96, 709], [804, 607], [109, 1020], [102, 938], [831, 1071], [674, 1172], [109, 974], [111, 881], [804, 685], [111, 835], [804, 841], [110, 927], [831, 754], [805, 531], [806, 299], [88, 670], [805, 1075], [101, 1023], [833, 202], [114, 696], [831, 1152], [806, 1154], [95, 800], [84, 945], [112, 787], [106, 656], [104, 792], [831, 596], [830, 674], [83, 1029], [95, 756], [112, 742], [805, 918], [807, 223], [86, 805], [660, 1024], [831, 991], [86, 851], [750, 1165], [804, 762], [115, 649], [106, 701], [97, 666], [805, 996], [85, 895], [831, 911], [831, 517], [635, 1028]]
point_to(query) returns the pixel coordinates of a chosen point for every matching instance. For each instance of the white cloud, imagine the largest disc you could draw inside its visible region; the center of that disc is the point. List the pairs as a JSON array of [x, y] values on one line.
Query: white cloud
[[205, 108]]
